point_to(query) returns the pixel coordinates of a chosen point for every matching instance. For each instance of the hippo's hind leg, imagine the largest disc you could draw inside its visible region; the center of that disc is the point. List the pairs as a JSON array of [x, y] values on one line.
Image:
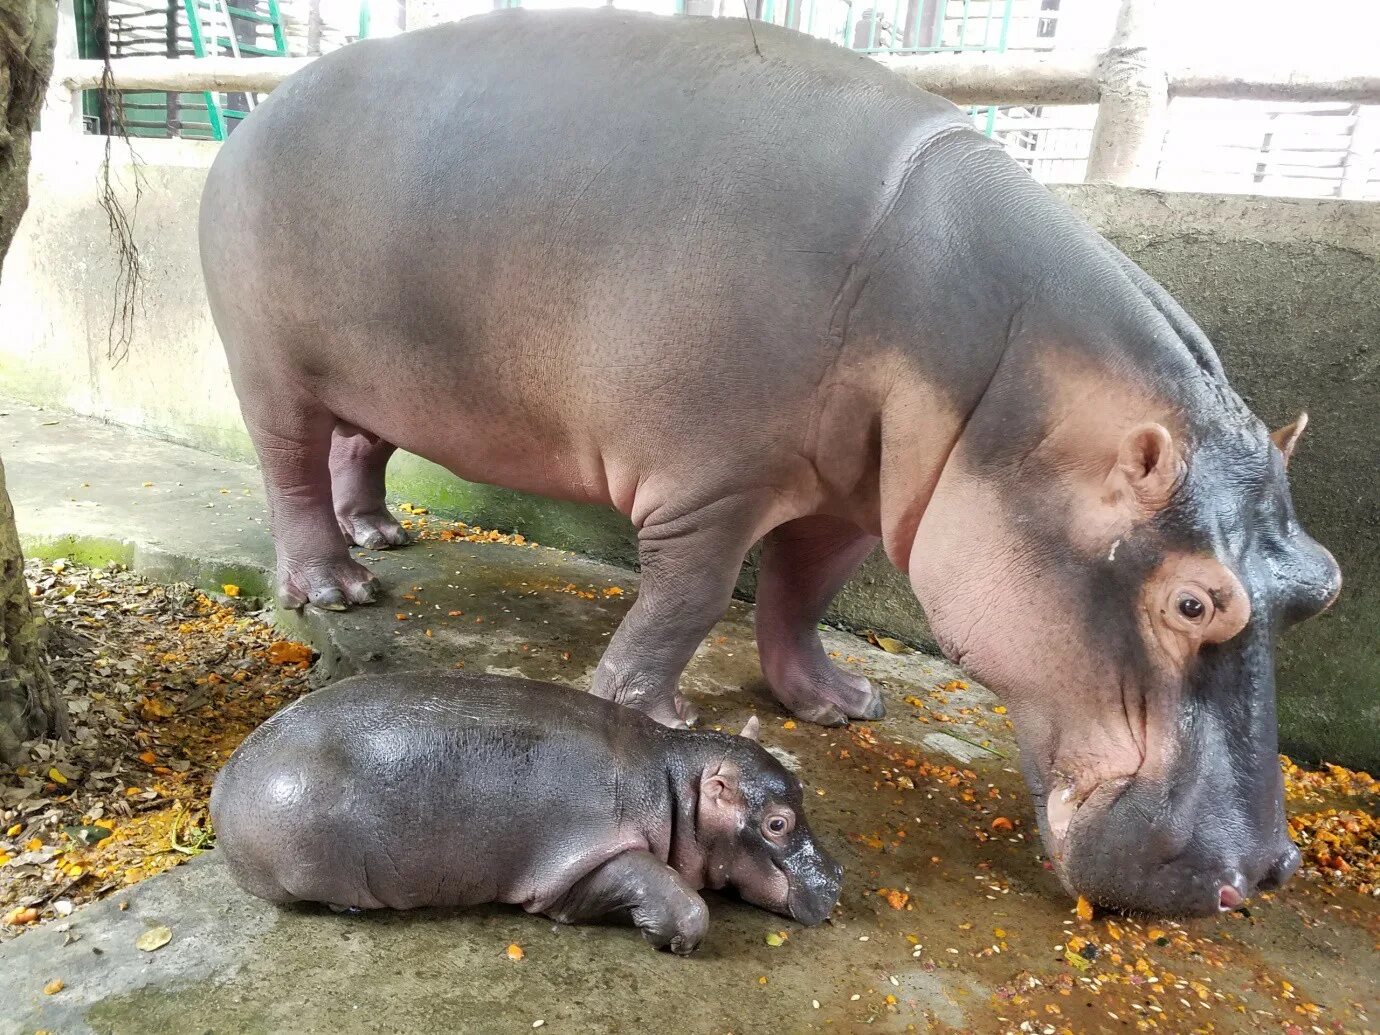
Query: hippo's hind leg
[[292, 435], [667, 910], [358, 462], [804, 563]]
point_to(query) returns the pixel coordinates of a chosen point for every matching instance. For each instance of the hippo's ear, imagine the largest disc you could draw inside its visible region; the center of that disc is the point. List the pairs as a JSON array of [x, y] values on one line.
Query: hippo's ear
[[719, 784], [1287, 437], [1147, 467], [751, 728]]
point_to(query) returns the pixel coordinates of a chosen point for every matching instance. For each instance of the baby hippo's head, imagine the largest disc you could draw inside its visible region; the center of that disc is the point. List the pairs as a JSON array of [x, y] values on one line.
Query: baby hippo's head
[[752, 830]]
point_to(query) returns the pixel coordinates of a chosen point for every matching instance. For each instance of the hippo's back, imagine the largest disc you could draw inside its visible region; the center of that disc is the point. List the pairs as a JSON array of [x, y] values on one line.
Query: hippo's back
[[555, 220], [428, 788]]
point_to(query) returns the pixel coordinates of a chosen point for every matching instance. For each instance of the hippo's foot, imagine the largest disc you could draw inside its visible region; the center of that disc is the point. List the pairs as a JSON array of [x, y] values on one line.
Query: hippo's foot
[[670, 913], [337, 908], [667, 707], [677, 926], [333, 584], [376, 530], [818, 691]]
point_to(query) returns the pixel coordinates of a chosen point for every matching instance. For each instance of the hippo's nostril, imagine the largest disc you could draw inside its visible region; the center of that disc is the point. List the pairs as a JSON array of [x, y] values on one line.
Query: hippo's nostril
[[1232, 894]]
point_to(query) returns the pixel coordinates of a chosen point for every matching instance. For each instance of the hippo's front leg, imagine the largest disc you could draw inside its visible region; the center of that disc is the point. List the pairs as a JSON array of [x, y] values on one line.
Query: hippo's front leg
[[669, 912], [690, 564]]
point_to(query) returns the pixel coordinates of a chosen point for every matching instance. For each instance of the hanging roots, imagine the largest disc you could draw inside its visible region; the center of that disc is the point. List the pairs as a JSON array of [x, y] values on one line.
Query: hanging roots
[[129, 281]]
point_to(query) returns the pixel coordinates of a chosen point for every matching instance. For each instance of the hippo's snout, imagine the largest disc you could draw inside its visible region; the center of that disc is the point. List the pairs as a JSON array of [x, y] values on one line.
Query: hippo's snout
[[816, 880], [1132, 845]]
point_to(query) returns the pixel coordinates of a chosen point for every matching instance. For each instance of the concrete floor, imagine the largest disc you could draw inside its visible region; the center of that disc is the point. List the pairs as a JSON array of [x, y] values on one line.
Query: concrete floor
[[909, 804]]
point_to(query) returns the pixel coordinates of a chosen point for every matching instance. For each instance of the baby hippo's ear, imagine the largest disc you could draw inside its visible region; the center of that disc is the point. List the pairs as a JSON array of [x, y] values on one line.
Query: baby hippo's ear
[[719, 785], [750, 728]]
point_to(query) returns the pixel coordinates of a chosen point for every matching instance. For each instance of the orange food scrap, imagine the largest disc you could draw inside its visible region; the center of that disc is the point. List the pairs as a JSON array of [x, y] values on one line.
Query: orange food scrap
[[20, 916], [1000, 709], [789, 724], [286, 652], [230, 589], [1084, 909], [514, 952], [32, 845], [148, 757], [895, 899], [1001, 823], [455, 614], [613, 591], [54, 987]]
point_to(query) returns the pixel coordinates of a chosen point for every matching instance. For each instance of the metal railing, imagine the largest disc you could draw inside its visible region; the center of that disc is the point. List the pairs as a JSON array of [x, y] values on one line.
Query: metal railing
[[1130, 82]]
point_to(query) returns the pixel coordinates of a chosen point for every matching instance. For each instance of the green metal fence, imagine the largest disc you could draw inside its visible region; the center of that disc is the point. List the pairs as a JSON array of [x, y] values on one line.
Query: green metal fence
[[185, 28]]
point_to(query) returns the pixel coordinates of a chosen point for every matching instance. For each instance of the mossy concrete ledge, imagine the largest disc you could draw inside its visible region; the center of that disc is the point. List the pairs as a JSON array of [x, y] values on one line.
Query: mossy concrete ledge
[[1284, 287]]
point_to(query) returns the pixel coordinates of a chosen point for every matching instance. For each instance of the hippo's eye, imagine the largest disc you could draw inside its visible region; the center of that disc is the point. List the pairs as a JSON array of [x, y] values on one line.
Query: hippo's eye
[[1191, 607], [778, 824]]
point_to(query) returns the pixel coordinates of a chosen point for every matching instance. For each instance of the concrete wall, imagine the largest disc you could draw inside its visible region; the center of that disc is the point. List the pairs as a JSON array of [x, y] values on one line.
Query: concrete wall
[[1289, 291]]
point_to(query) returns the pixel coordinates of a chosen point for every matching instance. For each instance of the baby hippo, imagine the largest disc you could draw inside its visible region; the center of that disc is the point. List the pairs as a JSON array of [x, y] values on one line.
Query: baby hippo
[[445, 789]]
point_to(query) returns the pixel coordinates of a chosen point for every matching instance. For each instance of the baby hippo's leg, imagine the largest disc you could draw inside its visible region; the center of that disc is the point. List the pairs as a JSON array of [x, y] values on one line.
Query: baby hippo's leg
[[669, 912]]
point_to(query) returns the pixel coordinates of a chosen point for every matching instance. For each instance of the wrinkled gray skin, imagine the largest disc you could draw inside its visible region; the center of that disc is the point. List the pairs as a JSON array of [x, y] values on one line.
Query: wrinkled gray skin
[[442, 789], [627, 260]]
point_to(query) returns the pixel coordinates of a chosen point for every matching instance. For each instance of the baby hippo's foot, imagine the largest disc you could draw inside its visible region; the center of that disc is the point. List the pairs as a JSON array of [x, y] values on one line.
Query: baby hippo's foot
[[818, 691], [669, 912], [374, 530], [335, 907], [676, 924], [332, 584]]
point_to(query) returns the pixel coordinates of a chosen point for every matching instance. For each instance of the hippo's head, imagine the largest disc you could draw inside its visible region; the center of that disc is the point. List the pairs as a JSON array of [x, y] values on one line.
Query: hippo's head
[[1117, 568], [751, 828]]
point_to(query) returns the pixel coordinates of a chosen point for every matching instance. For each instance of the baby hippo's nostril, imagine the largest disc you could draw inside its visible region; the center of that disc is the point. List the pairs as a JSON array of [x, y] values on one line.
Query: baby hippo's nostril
[[1284, 868], [1232, 894]]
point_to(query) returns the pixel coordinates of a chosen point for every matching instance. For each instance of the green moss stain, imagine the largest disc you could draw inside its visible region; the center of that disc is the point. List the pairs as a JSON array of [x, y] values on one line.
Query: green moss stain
[[208, 576], [94, 552], [599, 532]]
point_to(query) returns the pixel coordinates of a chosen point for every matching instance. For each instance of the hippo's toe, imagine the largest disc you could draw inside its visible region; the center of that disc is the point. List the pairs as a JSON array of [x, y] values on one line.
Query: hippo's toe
[[331, 585], [820, 692], [873, 708], [377, 530]]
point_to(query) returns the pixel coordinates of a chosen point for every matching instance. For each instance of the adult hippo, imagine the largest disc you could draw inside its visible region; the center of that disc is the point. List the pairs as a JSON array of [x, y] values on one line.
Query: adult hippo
[[748, 287]]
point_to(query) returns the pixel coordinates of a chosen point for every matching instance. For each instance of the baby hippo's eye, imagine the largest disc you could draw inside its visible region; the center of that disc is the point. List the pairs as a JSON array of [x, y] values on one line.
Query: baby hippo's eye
[[1191, 607], [778, 824]]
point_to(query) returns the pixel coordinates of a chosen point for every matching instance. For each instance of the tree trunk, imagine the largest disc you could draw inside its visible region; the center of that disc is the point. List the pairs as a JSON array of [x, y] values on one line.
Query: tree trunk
[[29, 705]]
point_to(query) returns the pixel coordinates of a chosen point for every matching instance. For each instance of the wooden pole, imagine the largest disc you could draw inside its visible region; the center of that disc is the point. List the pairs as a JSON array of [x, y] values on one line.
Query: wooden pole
[[1058, 77], [1131, 115]]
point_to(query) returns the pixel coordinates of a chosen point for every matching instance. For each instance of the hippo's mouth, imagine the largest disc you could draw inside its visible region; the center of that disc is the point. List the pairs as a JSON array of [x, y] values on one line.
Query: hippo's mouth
[[1069, 805]]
